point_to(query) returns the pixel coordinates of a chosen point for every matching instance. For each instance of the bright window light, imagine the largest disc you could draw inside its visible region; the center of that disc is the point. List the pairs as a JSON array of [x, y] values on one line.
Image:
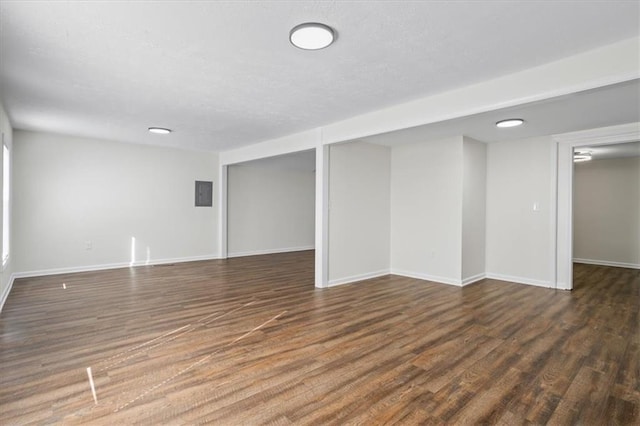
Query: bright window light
[[6, 187], [133, 251]]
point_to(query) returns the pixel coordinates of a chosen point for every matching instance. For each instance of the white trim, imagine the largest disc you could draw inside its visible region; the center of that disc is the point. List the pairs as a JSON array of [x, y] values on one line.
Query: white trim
[[564, 229], [473, 279], [520, 280], [607, 263], [601, 136], [355, 278], [553, 217], [102, 267], [269, 251], [5, 293], [427, 277]]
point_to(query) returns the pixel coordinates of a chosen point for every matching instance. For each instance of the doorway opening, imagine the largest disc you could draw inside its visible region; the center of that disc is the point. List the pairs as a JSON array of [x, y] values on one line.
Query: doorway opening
[[567, 144]]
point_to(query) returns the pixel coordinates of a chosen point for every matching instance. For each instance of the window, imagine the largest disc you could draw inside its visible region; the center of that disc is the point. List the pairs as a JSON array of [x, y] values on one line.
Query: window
[[6, 185]]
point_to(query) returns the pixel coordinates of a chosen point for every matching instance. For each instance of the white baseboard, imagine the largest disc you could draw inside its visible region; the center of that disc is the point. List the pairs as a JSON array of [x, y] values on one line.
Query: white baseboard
[[269, 251], [360, 277], [427, 277], [520, 280], [473, 279], [90, 268], [608, 263], [5, 293]]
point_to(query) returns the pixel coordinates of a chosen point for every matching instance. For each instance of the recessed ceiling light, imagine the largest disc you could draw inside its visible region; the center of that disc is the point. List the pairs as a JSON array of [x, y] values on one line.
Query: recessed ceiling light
[[159, 130], [580, 156], [510, 122], [311, 36]]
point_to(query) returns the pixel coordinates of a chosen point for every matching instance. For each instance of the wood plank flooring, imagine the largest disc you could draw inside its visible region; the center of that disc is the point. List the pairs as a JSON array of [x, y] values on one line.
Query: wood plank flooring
[[251, 341]]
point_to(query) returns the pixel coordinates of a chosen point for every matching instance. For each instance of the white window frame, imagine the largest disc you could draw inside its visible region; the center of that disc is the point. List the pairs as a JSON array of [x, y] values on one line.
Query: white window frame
[[6, 202]]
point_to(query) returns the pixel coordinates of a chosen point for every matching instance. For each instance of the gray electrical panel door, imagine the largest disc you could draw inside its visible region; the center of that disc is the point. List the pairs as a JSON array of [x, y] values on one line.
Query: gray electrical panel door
[[204, 193]]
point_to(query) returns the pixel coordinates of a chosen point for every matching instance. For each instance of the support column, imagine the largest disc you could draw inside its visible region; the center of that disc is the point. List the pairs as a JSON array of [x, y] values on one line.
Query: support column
[[222, 211], [322, 214]]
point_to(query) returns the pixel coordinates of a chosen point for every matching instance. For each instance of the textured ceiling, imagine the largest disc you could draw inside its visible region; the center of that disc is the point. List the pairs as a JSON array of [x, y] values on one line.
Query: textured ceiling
[[223, 74]]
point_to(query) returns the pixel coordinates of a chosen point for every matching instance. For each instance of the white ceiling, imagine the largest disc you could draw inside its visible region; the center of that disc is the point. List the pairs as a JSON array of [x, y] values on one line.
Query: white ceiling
[[605, 106], [223, 74]]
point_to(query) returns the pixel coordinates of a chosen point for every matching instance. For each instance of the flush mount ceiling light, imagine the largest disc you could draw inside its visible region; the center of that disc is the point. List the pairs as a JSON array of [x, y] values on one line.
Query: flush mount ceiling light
[[311, 36], [159, 130], [510, 122], [580, 156]]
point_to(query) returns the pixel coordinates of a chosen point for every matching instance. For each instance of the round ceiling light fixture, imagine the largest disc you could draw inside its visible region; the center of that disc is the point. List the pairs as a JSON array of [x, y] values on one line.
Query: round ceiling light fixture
[[311, 36], [510, 122], [159, 130], [580, 156]]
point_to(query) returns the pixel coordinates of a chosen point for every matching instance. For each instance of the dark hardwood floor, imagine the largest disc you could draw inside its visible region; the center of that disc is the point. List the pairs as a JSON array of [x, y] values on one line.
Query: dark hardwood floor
[[251, 341]]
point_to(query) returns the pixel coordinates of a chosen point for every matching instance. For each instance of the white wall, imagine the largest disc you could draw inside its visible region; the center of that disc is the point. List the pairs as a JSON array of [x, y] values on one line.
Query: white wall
[[359, 211], [270, 207], [519, 240], [69, 191], [426, 210], [6, 272], [474, 196], [606, 212]]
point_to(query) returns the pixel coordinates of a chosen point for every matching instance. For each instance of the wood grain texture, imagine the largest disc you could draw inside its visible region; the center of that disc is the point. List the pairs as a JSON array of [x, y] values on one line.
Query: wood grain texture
[[251, 341]]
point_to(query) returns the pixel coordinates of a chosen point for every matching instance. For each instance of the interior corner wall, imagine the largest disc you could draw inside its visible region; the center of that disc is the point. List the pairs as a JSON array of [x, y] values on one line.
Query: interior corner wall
[[7, 271], [519, 240], [82, 204], [606, 212], [270, 209], [426, 210], [359, 211], [474, 195]]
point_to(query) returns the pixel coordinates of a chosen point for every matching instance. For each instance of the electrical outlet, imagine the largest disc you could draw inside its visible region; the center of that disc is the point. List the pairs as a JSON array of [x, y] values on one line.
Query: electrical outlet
[[88, 245]]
